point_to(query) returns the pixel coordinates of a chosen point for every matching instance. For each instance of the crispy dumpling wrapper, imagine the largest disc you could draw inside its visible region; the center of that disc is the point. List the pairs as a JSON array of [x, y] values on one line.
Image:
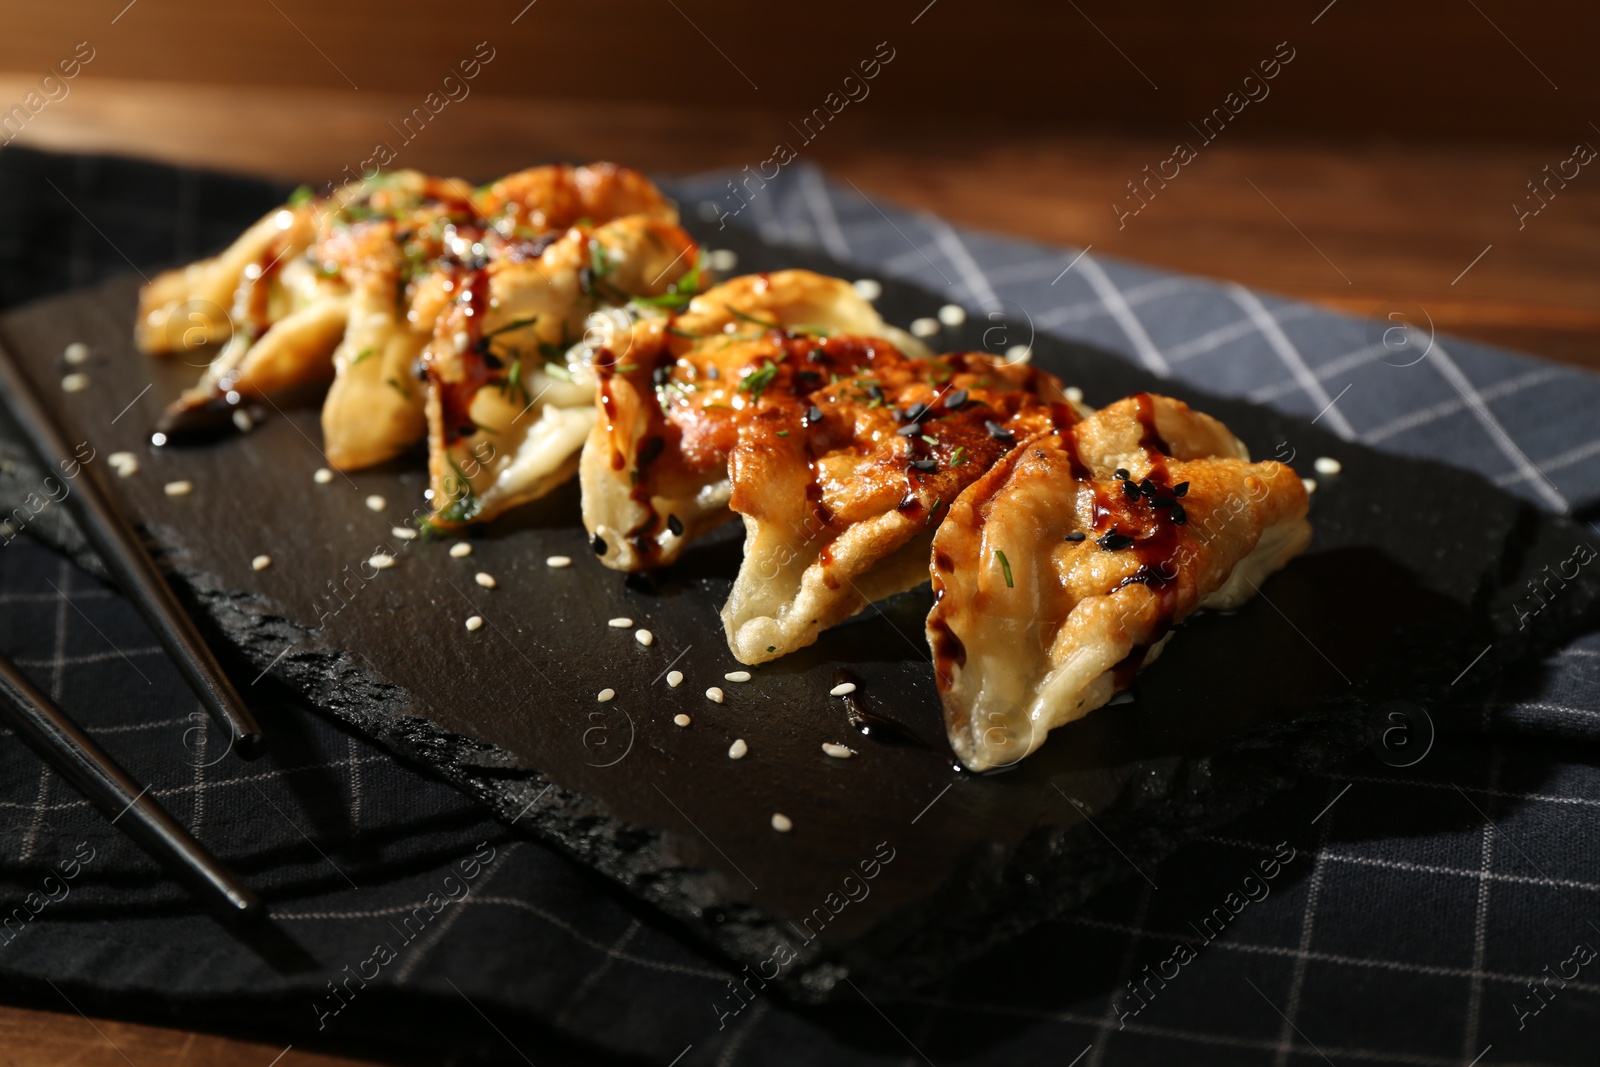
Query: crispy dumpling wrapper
[[1030, 629], [673, 392], [842, 487]]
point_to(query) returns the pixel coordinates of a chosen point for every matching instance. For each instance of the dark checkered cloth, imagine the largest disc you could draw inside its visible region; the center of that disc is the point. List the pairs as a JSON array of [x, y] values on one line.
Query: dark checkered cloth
[[1438, 914]]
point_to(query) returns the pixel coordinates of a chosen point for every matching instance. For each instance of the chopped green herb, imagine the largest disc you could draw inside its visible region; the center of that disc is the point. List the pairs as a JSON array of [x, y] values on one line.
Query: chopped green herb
[[513, 384], [508, 327], [301, 196], [930, 440], [627, 368], [599, 261], [736, 313], [365, 353], [933, 510], [959, 456], [1005, 567], [783, 433], [398, 387], [557, 369], [755, 383], [674, 331]]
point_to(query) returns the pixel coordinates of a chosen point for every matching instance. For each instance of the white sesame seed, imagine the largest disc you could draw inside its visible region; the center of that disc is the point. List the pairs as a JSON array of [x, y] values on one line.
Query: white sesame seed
[[952, 314], [681, 719], [621, 622], [405, 533], [842, 689], [1074, 394], [557, 562], [475, 622], [714, 695], [323, 476], [261, 563], [382, 561], [242, 420], [723, 259], [605, 695], [76, 382], [75, 353], [1310, 484], [781, 822], [644, 637], [178, 488], [867, 288], [738, 749], [126, 464], [737, 676], [460, 550], [674, 678], [376, 502], [925, 327], [1328, 465], [1019, 354], [837, 751], [485, 579]]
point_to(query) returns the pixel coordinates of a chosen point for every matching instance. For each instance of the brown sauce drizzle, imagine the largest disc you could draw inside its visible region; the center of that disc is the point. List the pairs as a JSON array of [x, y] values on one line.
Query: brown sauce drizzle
[[456, 397], [869, 723]]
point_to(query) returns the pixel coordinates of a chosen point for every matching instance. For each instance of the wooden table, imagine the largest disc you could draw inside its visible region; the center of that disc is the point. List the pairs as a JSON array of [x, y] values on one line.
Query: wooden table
[[1350, 225]]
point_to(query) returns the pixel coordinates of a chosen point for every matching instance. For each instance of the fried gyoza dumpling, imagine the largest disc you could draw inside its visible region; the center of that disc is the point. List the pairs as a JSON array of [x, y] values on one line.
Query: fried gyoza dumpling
[[842, 487], [1060, 572], [672, 392], [351, 284], [510, 374]]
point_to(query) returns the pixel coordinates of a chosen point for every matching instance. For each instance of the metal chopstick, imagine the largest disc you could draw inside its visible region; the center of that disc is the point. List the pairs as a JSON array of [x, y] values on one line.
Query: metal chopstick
[[135, 572], [64, 745]]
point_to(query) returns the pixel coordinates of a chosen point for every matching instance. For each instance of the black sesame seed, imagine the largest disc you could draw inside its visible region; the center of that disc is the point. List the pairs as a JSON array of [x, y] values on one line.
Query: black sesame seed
[[955, 399], [817, 355], [1180, 489], [599, 544], [998, 432], [814, 414], [910, 429], [1075, 536], [1130, 491], [713, 373], [1148, 488], [926, 466], [1179, 516], [661, 375], [585, 278], [1162, 502], [915, 412], [467, 431], [1120, 474], [1114, 541], [492, 361], [419, 369], [674, 526], [875, 392]]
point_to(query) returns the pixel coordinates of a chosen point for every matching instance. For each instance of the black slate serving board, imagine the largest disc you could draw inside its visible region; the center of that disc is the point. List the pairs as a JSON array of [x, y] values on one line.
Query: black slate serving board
[[898, 866]]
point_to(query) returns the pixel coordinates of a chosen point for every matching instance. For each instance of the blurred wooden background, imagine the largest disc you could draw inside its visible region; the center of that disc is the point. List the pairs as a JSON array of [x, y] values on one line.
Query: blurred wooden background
[[1381, 165]]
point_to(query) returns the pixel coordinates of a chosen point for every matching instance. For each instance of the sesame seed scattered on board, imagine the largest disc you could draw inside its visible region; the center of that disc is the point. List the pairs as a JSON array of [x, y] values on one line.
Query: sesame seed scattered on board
[[867, 288], [837, 751], [178, 488], [1310, 484], [737, 676], [674, 678], [557, 562], [723, 259], [126, 464], [781, 822], [75, 353], [738, 749], [242, 420], [322, 476], [952, 314], [405, 533], [1074, 394], [681, 719], [376, 502], [460, 550], [644, 637], [1328, 465], [605, 695], [261, 563], [621, 622], [925, 327], [485, 579], [475, 622], [76, 382], [842, 689], [714, 695], [1019, 354], [383, 561]]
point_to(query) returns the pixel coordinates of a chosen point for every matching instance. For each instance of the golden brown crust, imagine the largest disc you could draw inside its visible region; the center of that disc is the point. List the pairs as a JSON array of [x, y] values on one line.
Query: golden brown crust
[[1031, 630]]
